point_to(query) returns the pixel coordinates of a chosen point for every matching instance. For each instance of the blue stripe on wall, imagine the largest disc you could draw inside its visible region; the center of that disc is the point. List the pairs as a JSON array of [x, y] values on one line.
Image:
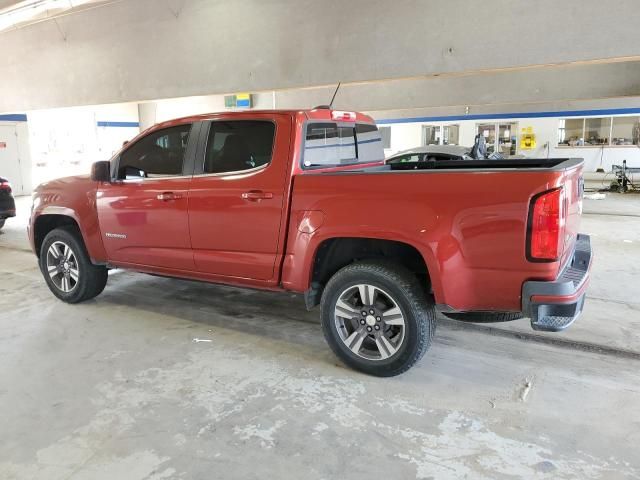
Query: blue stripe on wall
[[119, 124], [498, 116], [15, 117]]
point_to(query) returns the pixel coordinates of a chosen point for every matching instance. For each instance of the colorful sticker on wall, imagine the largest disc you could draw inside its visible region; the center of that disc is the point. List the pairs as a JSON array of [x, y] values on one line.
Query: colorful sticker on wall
[[243, 100], [527, 139], [239, 100]]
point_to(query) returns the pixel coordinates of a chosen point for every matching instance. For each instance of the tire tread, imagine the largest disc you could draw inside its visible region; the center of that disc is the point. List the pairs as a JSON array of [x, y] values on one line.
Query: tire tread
[[95, 276], [421, 308]]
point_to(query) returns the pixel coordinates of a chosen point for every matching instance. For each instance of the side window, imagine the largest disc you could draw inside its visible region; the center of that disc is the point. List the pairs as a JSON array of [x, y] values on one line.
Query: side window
[[237, 145], [159, 154]]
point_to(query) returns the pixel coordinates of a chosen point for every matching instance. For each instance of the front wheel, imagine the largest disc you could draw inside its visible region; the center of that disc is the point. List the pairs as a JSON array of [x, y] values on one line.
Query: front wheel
[[376, 318], [67, 268], [2, 220]]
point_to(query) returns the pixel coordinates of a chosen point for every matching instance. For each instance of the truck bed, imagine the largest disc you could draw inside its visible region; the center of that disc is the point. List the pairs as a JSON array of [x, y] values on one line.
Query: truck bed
[[468, 220]]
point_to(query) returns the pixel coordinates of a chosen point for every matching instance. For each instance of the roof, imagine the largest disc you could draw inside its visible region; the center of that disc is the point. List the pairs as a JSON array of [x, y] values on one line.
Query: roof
[[314, 114]]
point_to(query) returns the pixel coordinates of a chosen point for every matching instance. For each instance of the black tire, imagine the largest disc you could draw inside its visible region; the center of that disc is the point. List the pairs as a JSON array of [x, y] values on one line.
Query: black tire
[[485, 317], [2, 220], [404, 289], [91, 278]]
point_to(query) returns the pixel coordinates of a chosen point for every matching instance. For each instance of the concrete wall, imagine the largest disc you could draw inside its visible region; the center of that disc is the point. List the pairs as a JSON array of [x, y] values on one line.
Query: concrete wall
[[161, 110], [136, 50], [498, 89]]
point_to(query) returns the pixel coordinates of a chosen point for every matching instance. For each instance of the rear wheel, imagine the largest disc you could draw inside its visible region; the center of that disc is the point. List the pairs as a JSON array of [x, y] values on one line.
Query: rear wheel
[[376, 318], [2, 220], [67, 269]]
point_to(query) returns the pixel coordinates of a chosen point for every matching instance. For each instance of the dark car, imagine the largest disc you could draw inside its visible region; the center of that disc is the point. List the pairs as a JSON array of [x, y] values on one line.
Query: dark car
[[427, 156], [7, 204], [431, 153]]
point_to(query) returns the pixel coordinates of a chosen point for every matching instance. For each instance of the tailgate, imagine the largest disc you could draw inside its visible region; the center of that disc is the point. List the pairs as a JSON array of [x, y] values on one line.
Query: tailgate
[[573, 188]]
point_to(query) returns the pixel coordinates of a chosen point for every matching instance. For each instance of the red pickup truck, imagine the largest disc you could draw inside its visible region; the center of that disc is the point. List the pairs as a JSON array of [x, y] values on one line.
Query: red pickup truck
[[302, 201]]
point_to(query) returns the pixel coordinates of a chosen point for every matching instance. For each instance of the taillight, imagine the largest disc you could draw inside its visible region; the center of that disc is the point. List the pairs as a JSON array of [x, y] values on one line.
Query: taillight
[[546, 226], [5, 186]]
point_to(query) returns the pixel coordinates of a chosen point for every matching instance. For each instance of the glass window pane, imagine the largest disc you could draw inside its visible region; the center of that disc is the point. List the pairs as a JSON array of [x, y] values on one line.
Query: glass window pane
[[596, 131], [237, 145], [626, 131], [370, 143], [385, 134], [159, 154], [451, 134], [508, 138], [570, 132], [329, 144], [430, 135], [488, 130]]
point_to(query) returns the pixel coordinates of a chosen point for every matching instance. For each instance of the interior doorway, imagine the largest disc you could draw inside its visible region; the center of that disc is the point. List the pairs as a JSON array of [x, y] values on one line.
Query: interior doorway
[[10, 162]]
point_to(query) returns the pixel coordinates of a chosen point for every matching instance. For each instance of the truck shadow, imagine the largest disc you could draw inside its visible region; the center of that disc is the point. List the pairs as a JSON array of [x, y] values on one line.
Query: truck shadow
[[274, 315]]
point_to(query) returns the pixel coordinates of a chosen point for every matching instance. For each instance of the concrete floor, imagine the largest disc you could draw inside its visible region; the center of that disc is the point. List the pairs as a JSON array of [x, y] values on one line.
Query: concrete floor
[[164, 379]]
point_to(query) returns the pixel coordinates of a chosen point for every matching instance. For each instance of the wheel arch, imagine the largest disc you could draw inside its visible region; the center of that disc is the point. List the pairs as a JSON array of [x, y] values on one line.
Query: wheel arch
[[47, 222], [333, 254]]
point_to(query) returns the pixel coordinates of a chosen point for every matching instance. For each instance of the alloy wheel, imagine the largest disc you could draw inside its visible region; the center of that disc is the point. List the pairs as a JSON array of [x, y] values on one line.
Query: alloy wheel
[[369, 322], [62, 267]]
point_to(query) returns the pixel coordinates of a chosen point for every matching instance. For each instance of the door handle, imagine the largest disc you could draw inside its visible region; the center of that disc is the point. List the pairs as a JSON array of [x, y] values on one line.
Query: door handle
[[168, 196], [256, 195]]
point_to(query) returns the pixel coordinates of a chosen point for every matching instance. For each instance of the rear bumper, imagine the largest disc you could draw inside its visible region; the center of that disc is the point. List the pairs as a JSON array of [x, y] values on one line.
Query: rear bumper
[[7, 207], [553, 306]]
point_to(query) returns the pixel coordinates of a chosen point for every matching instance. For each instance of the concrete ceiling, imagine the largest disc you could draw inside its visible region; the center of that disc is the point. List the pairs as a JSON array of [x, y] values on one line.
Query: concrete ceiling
[[7, 3], [137, 50]]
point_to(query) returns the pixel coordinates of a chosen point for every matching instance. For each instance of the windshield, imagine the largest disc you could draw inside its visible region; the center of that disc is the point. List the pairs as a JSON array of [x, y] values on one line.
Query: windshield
[[330, 144]]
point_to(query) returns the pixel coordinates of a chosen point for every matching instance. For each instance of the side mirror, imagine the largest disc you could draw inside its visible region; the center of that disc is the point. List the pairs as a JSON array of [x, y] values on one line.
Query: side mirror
[[101, 171]]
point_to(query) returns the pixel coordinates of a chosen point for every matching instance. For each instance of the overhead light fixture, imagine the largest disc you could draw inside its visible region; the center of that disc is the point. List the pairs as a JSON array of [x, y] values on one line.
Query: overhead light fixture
[[35, 10]]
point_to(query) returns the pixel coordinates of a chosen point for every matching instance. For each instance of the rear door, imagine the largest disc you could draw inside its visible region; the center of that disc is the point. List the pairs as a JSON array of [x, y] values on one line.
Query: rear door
[[237, 196], [143, 214]]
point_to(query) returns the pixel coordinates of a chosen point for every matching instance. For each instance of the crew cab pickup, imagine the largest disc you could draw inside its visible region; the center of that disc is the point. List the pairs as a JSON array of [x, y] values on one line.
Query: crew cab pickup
[[302, 201]]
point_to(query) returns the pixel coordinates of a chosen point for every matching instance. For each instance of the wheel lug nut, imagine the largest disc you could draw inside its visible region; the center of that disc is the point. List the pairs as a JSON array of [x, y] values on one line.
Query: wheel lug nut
[[362, 322], [372, 311], [378, 318], [368, 329], [364, 314], [377, 327]]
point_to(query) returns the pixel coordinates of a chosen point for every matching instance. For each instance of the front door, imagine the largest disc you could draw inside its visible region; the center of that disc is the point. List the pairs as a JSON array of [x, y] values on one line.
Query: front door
[[237, 197], [144, 213]]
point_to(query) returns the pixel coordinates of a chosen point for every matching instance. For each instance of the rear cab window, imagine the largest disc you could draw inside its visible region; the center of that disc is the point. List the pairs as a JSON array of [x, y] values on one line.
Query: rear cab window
[[331, 144]]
